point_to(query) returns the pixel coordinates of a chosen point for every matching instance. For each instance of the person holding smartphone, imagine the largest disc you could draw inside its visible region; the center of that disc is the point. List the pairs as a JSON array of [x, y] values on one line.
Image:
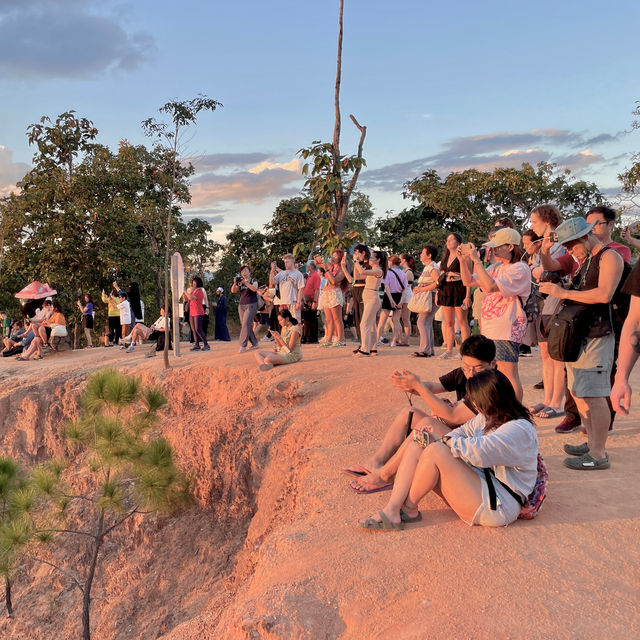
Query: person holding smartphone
[[287, 344]]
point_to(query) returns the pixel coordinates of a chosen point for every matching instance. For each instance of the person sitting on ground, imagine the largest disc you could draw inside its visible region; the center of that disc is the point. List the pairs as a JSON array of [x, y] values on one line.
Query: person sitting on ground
[[478, 354], [18, 332], [140, 332], [287, 346], [500, 438], [58, 326]]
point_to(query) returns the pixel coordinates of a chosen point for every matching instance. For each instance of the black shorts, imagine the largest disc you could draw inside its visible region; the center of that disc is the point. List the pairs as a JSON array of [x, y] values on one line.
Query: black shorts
[[87, 321], [386, 303]]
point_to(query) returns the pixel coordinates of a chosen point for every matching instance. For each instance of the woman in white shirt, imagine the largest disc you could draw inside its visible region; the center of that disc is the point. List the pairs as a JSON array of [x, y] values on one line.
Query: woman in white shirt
[[507, 285], [501, 439], [140, 332]]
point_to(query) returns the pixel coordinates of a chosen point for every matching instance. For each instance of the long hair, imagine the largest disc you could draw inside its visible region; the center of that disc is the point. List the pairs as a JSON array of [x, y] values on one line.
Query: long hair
[[492, 394], [285, 313], [445, 255], [411, 263], [133, 292], [382, 256], [344, 283]]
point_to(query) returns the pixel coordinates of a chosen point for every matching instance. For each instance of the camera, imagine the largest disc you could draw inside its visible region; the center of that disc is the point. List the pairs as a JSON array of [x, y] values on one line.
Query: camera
[[238, 278], [550, 276]]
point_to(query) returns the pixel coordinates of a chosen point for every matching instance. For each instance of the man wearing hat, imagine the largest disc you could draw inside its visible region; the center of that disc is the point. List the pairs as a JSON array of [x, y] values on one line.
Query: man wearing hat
[[588, 378]]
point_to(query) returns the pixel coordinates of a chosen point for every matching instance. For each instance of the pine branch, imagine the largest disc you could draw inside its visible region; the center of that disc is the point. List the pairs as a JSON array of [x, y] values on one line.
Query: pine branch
[[69, 575]]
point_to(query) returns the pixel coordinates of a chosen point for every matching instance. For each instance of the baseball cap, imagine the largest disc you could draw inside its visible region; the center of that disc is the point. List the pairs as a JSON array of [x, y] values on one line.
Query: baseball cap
[[504, 236]]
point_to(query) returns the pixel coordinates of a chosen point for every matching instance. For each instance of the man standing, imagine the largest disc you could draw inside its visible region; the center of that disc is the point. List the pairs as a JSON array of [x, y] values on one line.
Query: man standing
[[629, 345], [310, 307], [291, 285], [588, 378]]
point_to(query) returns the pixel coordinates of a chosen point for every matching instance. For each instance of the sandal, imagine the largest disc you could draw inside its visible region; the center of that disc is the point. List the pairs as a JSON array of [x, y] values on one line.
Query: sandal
[[383, 523], [537, 407], [420, 354], [374, 352], [549, 412]]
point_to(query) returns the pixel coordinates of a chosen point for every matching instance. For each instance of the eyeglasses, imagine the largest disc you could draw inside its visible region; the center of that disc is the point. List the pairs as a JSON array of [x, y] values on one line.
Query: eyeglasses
[[476, 368], [597, 222]]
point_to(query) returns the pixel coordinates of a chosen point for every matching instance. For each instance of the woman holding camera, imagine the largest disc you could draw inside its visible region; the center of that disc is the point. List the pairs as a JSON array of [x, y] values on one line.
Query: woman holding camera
[[453, 296], [247, 306], [501, 438], [371, 298], [506, 283], [427, 282], [332, 299], [287, 344]]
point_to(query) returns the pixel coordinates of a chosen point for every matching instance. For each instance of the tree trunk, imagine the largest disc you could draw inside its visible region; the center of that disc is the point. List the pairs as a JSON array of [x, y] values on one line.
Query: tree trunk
[[336, 131], [7, 595], [86, 592]]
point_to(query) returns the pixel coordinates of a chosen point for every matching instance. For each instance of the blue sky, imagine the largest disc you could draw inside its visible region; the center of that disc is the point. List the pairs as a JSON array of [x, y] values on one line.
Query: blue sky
[[444, 86]]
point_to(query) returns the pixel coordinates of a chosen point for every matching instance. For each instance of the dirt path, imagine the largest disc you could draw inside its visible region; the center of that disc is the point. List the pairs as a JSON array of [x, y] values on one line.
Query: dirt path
[[306, 570]]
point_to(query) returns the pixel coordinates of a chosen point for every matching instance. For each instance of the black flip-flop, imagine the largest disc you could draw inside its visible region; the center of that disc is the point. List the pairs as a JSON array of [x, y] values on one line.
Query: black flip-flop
[[420, 354]]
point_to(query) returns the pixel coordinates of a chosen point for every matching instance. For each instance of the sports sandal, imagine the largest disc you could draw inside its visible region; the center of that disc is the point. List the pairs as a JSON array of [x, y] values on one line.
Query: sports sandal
[[405, 518], [383, 523], [537, 407], [576, 450], [587, 463], [548, 413]]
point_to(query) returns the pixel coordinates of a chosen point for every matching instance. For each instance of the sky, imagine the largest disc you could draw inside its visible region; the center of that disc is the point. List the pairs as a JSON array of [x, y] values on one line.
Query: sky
[[443, 86]]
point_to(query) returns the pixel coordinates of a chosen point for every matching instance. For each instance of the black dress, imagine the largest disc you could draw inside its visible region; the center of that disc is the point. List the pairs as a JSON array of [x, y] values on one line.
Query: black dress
[[453, 293]]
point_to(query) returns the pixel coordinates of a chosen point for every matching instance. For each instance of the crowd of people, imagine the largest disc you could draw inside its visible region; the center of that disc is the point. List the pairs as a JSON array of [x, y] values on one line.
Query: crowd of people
[[563, 286]]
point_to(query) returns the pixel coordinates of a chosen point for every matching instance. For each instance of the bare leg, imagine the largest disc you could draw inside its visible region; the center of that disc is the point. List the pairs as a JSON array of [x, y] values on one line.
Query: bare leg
[[510, 369], [384, 316], [596, 417], [461, 315], [449, 327]]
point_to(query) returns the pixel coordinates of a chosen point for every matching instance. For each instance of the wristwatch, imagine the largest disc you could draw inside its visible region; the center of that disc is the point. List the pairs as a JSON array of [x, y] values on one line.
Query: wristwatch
[[445, 440]]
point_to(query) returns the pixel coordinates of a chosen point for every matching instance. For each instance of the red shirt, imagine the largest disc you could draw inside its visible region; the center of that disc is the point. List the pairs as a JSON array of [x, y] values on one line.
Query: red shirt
[[568, 265], [312, 284], [195, 306], [623, 250]]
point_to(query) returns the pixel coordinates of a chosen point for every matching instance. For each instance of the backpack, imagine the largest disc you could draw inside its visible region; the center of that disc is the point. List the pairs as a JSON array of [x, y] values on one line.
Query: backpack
[[531, 506], [567, 330], [620, 302]]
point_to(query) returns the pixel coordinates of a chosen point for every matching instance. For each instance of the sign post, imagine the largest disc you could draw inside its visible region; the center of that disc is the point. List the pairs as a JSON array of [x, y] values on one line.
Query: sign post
[[177, 289]]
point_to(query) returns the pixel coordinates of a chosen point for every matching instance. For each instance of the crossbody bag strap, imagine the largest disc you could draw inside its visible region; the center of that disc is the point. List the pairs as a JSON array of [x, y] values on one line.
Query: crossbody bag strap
[[489, 476]]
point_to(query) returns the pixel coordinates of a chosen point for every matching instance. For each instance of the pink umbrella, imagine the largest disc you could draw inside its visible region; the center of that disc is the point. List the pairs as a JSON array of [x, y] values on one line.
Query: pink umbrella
[[36, 291]]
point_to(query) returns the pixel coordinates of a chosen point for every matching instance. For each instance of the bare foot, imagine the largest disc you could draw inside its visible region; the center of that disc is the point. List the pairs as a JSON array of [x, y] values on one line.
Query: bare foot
[[372, 478]]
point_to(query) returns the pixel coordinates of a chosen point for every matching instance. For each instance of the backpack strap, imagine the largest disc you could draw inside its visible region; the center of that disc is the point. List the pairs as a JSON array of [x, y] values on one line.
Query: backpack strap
[[489, 475]]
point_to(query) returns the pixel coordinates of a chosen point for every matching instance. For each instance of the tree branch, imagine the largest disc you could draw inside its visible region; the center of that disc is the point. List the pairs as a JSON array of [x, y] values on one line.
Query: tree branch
[[80, 533], [69, 575], [354, 177], [119, 522]]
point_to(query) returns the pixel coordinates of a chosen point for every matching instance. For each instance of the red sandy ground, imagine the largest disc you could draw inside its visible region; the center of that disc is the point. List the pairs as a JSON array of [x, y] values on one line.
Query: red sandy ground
[[273, 549]]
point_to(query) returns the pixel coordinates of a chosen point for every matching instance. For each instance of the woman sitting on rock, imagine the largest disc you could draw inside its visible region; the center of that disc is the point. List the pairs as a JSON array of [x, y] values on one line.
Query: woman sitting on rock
[[451, 463], [140, 332], [287, 346]]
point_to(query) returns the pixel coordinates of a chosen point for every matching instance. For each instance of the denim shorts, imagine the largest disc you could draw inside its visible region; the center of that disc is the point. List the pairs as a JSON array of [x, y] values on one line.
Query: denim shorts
[[507, 351]]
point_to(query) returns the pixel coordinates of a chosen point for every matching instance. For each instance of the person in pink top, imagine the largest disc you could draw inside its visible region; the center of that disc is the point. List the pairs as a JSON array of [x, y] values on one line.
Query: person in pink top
[[507, 285], [194, 295], [310, 305]]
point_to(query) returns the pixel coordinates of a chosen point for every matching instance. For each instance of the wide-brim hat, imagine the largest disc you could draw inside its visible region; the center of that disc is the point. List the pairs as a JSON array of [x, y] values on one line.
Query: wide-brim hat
[[36, 291], [572, 229], [504, 236]]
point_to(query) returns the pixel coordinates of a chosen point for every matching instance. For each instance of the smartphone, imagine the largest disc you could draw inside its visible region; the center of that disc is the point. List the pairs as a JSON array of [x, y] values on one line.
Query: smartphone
[[466, 248]]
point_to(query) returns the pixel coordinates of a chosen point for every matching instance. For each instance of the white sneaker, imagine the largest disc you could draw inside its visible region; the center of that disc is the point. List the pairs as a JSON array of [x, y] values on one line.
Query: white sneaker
[[242, 350], [131, 348]]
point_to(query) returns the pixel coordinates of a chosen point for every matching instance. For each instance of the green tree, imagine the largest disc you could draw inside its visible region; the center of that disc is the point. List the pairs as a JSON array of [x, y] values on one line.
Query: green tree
[[630, 178], [471, 200], [182, 115], [12, 484], [125, 470], [198, 250]]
